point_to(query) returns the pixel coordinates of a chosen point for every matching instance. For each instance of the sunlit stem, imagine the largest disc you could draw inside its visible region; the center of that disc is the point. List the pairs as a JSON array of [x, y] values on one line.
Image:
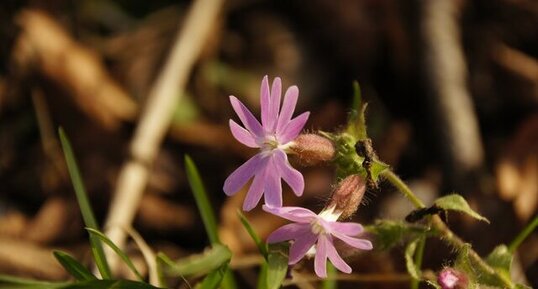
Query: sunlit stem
[[403, 188], [523, 235]]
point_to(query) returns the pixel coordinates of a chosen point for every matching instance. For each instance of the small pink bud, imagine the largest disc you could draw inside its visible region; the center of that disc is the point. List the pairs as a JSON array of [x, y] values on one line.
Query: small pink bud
[[313, 148], [347, 196], [450, 278]]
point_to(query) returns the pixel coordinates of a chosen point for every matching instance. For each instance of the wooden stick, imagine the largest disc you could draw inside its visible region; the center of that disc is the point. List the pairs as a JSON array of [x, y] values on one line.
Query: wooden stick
[[155, 119]]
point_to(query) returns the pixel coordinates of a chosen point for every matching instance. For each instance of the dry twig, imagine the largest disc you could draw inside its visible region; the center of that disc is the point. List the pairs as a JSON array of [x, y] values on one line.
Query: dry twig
[[156, 118]]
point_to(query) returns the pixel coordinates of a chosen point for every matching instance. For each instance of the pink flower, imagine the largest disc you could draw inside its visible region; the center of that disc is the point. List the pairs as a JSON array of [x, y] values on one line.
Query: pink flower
[[311, 230], [273, 137], [450, 278]]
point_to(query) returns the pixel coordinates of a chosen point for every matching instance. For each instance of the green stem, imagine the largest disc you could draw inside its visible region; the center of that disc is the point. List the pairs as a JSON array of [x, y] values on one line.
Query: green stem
[[402, 187], [418, 260], [523, 235], [449, 236]]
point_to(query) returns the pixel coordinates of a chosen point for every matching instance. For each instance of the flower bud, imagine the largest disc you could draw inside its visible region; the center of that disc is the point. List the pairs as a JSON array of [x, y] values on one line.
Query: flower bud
[[312, 148], [450, 278], [347, 196]]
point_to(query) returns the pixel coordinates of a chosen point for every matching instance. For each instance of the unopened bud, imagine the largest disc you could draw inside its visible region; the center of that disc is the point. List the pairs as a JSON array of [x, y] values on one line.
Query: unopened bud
[[312, 148], [450, 278], [347, 196]]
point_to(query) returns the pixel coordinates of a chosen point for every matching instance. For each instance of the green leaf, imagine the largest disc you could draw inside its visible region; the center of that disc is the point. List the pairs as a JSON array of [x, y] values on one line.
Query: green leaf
[[117, 250], [109, 284], [389, 233], [331, 281], [500, 259], [71, 265], [200, 195], [196, 265], [456, 202], [10, 282], [85, 208], [277, 265], [262, 246], [412, 268], [215, 278], [356, 125]]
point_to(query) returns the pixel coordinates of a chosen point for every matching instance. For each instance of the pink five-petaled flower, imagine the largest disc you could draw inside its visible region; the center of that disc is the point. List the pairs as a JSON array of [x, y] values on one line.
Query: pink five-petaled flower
[[320, 230], [273, 137]]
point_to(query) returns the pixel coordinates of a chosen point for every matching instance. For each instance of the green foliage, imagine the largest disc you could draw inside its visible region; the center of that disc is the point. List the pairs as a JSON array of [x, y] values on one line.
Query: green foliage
[[456, 202], [356, 125], [85, 208], [388, 233], [196, 265], [215, 278], [202, 201], [71, 265], [330, 282], [410, 264], [277, 265], [262, 246], [206, 211], [8, 282], [117, 250]]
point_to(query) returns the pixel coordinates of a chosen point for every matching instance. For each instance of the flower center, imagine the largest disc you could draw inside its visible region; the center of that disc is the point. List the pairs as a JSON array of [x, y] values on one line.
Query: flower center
[[317, 227], [269, 143]]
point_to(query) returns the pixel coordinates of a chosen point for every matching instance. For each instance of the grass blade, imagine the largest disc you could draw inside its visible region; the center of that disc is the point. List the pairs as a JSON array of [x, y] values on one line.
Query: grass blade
[[206, 211], [71, 265], [262, 246], [85, 208], [117, 250], [200, 195]]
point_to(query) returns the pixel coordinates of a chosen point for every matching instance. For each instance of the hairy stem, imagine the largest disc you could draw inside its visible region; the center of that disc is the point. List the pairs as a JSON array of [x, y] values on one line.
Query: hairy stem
[[447, 235]]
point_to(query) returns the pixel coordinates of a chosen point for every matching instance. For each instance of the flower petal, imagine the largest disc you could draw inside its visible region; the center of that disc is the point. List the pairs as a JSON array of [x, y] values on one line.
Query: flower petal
[[276, 93], [243, 135], [273, 185], [288, 232], [246, 117], [335, 258], [354, 242], [295, 214], [288, 107], [293, 128], [301, 245], [265, 101], [254, 193], [347, 228], [320, 262], [242, 174], [290, 175]]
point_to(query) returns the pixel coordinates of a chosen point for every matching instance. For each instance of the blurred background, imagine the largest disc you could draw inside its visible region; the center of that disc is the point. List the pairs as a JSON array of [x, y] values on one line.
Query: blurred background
[[451, 86]]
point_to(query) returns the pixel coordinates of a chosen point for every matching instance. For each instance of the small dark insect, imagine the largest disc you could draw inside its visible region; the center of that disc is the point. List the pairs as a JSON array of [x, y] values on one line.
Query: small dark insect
[[418, 214], [365, 149]]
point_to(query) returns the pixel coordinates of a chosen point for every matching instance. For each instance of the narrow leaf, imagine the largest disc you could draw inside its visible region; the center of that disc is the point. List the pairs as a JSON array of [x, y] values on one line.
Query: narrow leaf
[[10, 282], [200, 195], [262, 246], [456, 202], [109, 284], [84, 203], [71, 265], [412, 268], [215, 278], [277, 265], [196, 265], [262, 277], [117, 250]]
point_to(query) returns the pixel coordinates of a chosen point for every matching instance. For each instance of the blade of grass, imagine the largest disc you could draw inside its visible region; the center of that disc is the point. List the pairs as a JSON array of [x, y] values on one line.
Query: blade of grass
[[84, 203], [206, 211], [262, 246], [71, 265], [117, 250]]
